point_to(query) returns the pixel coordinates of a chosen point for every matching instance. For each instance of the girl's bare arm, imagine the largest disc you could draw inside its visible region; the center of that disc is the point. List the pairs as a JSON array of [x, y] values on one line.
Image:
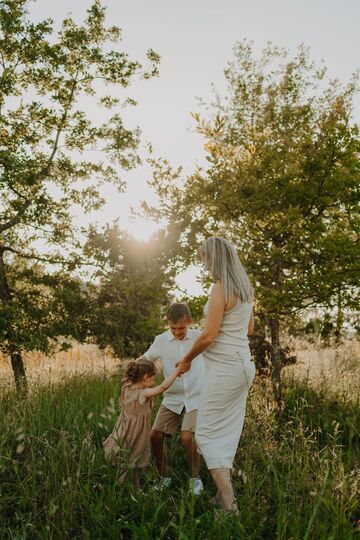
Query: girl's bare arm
[[151, 392]]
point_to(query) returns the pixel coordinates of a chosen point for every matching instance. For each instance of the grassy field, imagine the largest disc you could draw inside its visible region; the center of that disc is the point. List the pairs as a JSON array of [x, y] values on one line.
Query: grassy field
[[303, 470]]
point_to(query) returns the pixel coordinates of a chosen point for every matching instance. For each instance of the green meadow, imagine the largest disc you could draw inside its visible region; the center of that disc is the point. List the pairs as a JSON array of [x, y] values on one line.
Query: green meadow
[[301, 470]]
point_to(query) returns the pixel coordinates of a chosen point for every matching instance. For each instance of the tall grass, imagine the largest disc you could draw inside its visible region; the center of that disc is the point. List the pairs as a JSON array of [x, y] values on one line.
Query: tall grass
[[302, 470], [330, 370], [81, 359]]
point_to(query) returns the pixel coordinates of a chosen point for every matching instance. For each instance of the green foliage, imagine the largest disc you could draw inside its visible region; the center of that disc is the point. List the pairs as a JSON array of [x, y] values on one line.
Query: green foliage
[[281, 181], [261, 348], [61, 138], [130, 300], [196, 305], [55, 481], [47, 306], [320, 328]]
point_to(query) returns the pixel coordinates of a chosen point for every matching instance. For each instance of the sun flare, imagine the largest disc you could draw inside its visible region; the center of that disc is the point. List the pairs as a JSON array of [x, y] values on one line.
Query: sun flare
[[142, 229]]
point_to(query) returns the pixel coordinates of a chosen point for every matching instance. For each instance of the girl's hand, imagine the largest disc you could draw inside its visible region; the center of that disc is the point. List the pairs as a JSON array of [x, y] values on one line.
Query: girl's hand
[[183, 366]]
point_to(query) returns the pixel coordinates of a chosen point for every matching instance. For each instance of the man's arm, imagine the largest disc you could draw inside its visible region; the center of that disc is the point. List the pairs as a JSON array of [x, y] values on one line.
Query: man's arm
[[153, 352], [210, 330]]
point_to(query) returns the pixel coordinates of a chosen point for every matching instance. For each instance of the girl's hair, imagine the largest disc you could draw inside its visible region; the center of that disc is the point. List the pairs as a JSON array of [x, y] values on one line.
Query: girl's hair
[[137, 369], [222, 261]]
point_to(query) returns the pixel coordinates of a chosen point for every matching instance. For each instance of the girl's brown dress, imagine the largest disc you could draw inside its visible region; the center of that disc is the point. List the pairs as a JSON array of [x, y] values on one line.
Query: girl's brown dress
[[130, 439]]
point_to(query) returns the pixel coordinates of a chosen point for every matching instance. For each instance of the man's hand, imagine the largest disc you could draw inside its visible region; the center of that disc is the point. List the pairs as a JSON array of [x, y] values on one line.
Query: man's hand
[[184, 365]]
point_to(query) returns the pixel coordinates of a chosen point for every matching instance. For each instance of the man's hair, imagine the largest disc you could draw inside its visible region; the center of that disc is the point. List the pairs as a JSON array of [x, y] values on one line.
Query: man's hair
[[179, 311]]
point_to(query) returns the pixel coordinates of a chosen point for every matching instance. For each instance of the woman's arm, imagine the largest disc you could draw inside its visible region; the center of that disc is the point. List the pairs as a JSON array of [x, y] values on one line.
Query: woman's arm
[[211, 328], [151, 392], [251, 325]]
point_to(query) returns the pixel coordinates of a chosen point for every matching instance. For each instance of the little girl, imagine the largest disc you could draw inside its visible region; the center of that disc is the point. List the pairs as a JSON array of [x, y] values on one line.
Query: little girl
[[131, 436]]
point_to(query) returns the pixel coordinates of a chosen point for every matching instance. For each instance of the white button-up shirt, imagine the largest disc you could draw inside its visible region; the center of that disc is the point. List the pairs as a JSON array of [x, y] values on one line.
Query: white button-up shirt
[[185, 391]]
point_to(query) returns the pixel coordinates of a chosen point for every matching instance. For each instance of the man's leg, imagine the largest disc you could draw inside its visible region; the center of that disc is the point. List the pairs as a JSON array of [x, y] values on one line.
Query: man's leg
[[188, 439], [192, 455], [165, 423], [191, 450], [159, 451]]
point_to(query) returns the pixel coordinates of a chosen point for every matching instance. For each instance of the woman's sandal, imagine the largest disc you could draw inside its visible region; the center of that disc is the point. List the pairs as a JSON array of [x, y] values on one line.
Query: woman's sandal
[[215, 501], [233, 511]]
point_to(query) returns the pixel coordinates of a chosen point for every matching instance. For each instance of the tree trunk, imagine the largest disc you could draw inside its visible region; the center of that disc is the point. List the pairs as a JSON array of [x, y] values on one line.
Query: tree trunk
[[17, 363], [339, 317], [276, 361]]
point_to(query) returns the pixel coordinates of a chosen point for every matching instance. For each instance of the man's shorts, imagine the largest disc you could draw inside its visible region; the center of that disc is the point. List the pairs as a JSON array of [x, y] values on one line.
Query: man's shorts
[[167, 421]]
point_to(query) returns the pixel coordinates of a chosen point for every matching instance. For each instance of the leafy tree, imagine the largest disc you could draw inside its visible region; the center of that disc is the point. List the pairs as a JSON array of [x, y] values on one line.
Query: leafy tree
[[196, 305], [54, 154], [48, 305], [132, 290], [320, 328], [281, 182]]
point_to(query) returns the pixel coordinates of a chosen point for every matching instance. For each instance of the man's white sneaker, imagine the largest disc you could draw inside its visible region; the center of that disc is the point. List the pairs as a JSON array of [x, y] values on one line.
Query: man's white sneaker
[[196, 486], [166, 481]]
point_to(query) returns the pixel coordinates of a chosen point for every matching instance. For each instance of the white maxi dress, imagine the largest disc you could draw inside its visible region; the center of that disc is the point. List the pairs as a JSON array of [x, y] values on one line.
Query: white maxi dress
[[229, 373]]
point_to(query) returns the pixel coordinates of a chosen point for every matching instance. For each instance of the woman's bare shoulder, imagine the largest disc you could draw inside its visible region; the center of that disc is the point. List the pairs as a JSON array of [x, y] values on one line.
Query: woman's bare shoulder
[[217, 288], [217, 293]]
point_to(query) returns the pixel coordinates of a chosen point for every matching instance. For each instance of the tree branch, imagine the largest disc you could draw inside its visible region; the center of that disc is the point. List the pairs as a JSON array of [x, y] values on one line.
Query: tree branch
[[17, 218], [32, 256], [61, 125]]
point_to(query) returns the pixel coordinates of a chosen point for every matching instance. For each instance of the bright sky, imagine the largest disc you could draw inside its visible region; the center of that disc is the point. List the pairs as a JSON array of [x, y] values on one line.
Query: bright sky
[[194, 39]]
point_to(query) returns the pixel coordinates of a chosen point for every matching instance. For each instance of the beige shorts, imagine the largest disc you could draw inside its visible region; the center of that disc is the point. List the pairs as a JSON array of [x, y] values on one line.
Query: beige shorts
[[167, 421]]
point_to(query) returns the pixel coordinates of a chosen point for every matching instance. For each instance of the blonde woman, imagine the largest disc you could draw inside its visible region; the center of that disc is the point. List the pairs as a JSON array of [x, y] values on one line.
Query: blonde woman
[[229, 370]]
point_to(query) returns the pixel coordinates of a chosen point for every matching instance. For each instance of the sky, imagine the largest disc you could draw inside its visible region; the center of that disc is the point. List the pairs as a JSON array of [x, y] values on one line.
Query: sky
[[195, 39]]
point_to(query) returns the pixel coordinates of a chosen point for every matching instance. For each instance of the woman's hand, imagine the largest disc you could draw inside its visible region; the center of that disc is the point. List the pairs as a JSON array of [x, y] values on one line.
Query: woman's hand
[[183, 366]]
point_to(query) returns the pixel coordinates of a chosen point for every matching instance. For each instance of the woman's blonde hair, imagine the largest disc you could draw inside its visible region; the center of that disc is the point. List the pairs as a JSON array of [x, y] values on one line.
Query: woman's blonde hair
[[222, 261]]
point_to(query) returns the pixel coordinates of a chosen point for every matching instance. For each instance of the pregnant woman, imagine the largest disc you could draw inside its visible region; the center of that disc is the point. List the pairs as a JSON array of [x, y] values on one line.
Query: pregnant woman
[[229, 370]]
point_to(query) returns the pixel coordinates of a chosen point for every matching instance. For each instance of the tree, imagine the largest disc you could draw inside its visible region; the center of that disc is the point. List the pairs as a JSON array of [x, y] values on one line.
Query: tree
[[131, 292], [281, 182], [196, 305], [53, 153], [48, 306]]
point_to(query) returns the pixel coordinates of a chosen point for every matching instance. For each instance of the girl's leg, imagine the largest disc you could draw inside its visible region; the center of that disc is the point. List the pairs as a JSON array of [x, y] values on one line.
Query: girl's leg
[[136, 477], [224, 486], [159, 451], [123, 474]]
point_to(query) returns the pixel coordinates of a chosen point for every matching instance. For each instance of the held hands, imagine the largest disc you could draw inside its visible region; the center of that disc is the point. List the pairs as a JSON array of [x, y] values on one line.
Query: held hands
[[183, 366]]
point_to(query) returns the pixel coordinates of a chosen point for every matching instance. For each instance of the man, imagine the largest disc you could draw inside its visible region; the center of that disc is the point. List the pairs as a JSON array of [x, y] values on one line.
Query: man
[[182, 396]]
